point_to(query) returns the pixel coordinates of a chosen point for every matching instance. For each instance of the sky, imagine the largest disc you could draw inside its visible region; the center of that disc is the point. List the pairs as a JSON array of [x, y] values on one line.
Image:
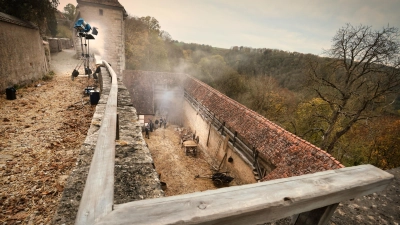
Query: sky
[[305, 26]]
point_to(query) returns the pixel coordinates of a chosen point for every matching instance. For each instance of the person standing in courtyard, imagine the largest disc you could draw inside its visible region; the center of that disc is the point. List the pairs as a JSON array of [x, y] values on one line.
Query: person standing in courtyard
[[151, 126], [146, 130]]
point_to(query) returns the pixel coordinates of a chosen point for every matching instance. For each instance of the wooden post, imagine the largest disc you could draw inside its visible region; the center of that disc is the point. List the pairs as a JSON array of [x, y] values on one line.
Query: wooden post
[[226, 153], [222, 128], [254, 155], [318, 216], [117, 130], [234, 140], [209, 129]]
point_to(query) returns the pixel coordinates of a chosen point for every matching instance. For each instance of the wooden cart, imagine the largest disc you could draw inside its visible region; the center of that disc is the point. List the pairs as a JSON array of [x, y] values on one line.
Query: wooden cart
[[190, 147]]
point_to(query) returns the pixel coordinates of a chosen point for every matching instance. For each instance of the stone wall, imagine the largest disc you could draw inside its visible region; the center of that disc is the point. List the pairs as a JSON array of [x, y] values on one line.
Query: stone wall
[[66, 43], [22, 53], [55, 45], [58, 44], [109, 44], [135, 176], [211, 142], [154, 93]]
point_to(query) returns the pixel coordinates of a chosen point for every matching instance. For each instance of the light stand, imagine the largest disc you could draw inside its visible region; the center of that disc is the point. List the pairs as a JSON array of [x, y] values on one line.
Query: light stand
[[83, 29]]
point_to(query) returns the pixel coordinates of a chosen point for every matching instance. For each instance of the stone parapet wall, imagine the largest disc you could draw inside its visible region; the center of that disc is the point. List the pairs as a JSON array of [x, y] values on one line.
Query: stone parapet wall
[[135, 176], [58, 44], [22, 53]]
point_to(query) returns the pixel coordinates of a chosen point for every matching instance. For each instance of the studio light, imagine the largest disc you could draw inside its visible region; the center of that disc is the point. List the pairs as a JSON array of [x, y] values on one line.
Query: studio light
[[94, 31], [82, 29], [80, 25]]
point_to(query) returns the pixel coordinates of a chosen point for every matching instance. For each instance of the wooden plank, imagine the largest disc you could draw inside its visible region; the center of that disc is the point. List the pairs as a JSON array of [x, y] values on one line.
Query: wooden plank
[[254, 203], [189, 143], [98, 194]]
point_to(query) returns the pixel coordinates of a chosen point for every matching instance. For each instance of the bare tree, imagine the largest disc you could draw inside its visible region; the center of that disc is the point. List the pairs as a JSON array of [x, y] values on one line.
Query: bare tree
[[360, 75]]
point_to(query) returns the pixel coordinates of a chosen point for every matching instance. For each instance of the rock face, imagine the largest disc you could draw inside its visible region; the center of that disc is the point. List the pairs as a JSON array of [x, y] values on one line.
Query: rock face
[[135, 177], [378, 208]]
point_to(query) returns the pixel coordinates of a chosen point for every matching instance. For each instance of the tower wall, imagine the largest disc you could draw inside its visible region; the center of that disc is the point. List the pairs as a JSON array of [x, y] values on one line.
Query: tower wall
[[109, 44]]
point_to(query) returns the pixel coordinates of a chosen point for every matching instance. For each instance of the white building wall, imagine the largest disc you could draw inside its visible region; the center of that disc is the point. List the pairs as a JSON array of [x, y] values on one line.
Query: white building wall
[[109, 43]]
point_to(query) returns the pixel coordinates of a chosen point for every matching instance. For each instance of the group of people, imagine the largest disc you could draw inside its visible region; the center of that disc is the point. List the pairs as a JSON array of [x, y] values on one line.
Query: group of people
[[150, 126]]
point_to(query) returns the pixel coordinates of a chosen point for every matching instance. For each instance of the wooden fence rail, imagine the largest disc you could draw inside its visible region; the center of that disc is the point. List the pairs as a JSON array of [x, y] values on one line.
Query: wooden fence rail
[[98, 195], [257, 203]]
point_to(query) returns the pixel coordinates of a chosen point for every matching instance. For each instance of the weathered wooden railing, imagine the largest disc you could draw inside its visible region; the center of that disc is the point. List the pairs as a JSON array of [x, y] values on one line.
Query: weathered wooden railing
[[313, 196], [309, 199], [98, 195]]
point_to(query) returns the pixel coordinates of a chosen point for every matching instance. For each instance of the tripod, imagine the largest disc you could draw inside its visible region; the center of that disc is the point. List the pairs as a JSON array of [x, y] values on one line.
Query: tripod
[[85, 55]]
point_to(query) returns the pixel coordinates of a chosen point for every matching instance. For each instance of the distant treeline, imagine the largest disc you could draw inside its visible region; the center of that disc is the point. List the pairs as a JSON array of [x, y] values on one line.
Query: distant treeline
[[348, 113]]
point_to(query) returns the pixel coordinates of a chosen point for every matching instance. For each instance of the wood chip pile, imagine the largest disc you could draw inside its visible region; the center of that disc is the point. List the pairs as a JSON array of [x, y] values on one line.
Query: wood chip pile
[[40, 136]]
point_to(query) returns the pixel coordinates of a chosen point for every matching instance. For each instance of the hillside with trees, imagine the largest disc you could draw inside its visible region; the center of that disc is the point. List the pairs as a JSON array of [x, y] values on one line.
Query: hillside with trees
[[346, 102], [43, 14]]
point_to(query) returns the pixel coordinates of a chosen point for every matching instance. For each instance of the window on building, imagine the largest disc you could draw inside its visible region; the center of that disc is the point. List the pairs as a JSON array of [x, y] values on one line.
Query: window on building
[[100, 12]]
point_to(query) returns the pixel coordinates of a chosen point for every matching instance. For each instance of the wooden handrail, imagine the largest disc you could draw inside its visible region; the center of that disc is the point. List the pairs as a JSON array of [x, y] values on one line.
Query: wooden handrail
[[255, 203], [98, 195]]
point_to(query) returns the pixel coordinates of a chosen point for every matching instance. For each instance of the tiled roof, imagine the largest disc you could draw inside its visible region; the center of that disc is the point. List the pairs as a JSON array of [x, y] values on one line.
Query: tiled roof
[[291, 155], [14, 20], [102, 2]]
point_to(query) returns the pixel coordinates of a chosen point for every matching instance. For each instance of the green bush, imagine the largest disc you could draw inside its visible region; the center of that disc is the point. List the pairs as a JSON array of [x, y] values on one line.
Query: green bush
[[49, 75]]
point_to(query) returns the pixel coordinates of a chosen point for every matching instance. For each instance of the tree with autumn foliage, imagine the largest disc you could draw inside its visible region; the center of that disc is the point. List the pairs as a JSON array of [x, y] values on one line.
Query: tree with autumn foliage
[[40, 12], [361, 75], [144, 45], [384, 151], [214, 71], [70, 11], [309, 120], [265, 96]]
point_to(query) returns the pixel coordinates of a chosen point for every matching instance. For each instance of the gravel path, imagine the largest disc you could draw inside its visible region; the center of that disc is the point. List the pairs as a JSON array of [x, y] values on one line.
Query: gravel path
[[379, 208], [40, 136]]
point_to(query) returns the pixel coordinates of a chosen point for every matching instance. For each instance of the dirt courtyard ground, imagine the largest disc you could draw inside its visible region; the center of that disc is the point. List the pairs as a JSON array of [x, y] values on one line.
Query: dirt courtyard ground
[[41, 133], [177, 169]]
